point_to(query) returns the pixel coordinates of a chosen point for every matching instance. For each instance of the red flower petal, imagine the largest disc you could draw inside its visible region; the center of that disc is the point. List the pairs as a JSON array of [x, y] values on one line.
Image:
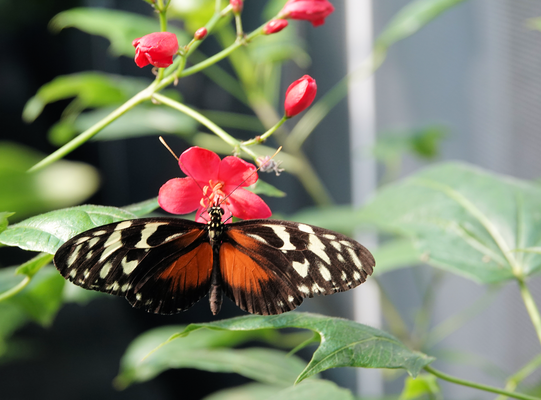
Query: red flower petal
[[180, 196], [200, 164], [157, 48], [235, 171], [247, 205]]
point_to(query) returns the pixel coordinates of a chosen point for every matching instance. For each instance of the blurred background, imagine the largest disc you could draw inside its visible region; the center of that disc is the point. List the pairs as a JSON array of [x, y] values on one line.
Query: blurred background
[[466, 86]]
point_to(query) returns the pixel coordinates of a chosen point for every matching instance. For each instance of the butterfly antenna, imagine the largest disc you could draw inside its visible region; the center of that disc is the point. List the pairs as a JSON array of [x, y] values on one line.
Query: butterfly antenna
[[249, 176], [168, 148]]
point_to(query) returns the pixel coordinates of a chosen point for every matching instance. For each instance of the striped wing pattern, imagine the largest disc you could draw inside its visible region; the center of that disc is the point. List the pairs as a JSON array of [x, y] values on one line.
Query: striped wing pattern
[[290, 261], [164, 265]]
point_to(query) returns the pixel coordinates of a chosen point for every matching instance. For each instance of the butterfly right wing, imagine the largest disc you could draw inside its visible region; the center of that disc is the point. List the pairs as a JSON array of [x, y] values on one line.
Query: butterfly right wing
[[162, 265]]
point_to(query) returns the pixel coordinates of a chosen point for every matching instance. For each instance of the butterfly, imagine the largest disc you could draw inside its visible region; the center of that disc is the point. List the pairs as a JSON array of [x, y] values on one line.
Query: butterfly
[[166, 265]]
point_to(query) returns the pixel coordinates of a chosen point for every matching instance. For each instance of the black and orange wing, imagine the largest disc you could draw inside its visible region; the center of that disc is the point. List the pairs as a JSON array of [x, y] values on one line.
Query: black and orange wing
[[269, 266], [162, 265]]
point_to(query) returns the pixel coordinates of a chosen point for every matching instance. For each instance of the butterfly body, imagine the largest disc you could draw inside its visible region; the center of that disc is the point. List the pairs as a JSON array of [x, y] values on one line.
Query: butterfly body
[[165, 265]]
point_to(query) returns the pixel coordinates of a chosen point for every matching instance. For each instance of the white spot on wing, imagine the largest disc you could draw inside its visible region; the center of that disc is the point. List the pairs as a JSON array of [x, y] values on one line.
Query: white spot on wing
[[344, 276], [81, 240], [257, 237], [355, 258], [336, 245], [112, 244], [123, 225], [92, 242], [290, 299], [304, 289], [317, 247], [305, 228], [146, 233], [99, 233], [104, 271], [73, 272], [138, 296], [341, 258], [316, 288], [357, 276], [329, 236], [125, 287], [301, 268], [325, 273], [281, 232], [128, 266]]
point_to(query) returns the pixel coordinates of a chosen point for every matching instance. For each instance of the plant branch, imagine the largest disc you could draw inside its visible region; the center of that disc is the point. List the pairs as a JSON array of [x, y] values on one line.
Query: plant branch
[[476, 385], [93, 130], [16, 289], [531, 307], [226, 137]]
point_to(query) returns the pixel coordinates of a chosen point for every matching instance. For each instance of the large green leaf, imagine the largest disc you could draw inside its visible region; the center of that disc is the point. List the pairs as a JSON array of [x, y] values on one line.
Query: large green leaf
[[47, 232], [120, 27], [208, 350], [344, 343], [60, 185], [465, 220], [91, 89]]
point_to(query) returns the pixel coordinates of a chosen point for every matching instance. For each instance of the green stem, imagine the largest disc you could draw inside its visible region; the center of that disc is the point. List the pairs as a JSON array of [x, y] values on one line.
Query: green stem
[[529, 302], [16, 289], [266, 135], [226, 137], [479, 386], [238, 26], [94, 129], [523, 373], [222, 54]]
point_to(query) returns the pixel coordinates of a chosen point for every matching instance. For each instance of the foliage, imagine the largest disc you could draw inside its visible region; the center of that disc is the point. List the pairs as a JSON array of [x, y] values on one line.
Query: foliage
[[452, 216]]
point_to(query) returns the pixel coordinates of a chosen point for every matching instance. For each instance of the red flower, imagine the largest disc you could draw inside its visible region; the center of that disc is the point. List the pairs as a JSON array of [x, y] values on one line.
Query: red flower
[[157, 48], [209, 181], [274, 26], [299, 95], [314, 11]]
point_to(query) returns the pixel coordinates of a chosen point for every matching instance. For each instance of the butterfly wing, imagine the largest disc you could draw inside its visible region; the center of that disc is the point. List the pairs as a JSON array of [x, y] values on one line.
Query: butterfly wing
[[162, 265], [269, 266]]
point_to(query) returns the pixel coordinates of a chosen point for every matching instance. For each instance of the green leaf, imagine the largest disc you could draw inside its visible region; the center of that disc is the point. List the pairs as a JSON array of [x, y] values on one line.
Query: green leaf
[[42, 298], [424, 384], [464, 220], [414, 16], [336, 218], [91, 89], [60, 185], [424, 143], [314, 389], [119, 27], [262, 187], [47, 232], [194, 13], [343, 343], [250, 391], [395, 254], [31, 267], [144, 207], [140, 121], [206, 351], [4, 215]]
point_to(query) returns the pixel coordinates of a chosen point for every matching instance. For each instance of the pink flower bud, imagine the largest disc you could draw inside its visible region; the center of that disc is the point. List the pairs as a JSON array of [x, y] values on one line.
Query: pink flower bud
[[156, 48], [274, 26], [200, 34], [237, 5], [314, 11], [300, 94]]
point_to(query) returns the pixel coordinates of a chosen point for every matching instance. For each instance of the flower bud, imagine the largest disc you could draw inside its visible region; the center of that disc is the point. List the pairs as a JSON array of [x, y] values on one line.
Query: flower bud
[[157, 48], [299, 95], [200, 34], [314, 11], [274, 26], [237, 6]]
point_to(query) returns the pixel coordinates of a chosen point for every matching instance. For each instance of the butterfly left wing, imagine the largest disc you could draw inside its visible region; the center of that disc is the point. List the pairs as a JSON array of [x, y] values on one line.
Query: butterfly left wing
[[161, 265], [269, 266]]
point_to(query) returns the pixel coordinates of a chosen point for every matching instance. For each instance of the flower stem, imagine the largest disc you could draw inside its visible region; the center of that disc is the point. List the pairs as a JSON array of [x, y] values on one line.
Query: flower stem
[[266, 135], [475, 385], [531, 307], [93, 130], [16, 289], [226, 137], [523, 373]]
